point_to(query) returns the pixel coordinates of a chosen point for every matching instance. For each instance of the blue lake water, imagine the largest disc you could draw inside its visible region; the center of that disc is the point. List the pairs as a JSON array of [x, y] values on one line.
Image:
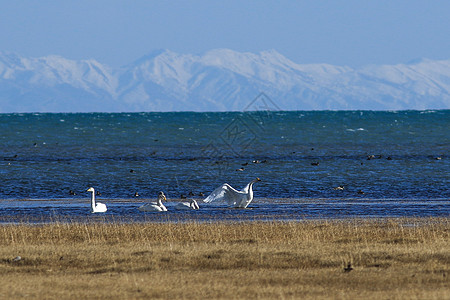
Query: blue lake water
[[388, 163]]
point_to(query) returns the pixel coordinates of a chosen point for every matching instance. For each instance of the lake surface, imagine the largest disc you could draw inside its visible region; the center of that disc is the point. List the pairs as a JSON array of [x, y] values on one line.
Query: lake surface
[[386, 163]]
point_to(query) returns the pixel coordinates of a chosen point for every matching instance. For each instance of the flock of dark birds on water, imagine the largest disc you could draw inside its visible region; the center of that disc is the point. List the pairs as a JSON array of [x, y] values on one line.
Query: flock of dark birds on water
[[241, 169], [136, 194]]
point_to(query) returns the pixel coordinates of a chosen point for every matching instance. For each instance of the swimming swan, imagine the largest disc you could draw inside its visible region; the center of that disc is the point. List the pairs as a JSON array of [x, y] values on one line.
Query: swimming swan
[[96, 207], [158, 206], [239, 199], [187, 205]]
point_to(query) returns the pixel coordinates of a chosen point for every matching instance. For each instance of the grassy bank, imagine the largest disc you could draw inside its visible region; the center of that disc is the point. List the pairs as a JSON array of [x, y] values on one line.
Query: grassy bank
[[395, 259]]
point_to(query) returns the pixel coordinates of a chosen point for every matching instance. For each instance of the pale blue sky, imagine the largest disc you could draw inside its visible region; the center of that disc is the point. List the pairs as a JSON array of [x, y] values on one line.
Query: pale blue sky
[[350, 32]]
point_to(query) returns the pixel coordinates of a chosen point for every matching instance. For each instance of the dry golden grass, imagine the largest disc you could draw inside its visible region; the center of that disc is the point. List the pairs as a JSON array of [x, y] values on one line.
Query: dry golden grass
[[391, 259]]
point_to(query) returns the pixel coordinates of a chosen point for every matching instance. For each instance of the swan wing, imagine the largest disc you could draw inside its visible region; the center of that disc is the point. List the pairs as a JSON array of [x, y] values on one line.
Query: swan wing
[[225, 193], [100, 207], [151, 207]]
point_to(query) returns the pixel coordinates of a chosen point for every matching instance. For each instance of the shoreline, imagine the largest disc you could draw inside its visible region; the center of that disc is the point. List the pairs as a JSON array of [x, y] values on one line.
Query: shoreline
[[256, 200], [264, 209], [261, 209], [118, 221]]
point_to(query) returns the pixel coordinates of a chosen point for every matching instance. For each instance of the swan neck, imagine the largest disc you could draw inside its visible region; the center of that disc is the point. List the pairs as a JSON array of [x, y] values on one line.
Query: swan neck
[[192, 204], [250, 190], [93, 199], [250, 186]]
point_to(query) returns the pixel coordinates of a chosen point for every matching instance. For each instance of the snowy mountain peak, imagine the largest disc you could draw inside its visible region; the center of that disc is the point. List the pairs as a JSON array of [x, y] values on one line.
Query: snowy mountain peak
[[220, 79]]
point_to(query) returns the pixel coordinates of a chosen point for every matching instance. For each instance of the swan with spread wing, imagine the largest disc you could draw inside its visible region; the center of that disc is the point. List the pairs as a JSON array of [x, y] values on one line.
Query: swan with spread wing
[[238, 199]]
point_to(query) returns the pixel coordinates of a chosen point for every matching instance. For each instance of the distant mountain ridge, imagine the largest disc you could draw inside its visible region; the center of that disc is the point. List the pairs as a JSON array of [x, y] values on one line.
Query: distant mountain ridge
[[219, 80]]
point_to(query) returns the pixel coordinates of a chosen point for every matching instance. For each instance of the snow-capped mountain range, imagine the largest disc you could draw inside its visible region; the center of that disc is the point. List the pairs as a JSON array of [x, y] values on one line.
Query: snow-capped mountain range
[[219, 80]]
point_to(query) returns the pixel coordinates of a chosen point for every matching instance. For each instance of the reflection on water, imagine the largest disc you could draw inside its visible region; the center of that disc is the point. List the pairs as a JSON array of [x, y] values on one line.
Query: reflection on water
[[44, 211]]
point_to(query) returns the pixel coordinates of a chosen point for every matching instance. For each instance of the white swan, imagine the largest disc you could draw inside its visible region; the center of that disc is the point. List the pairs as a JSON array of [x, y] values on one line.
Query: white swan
[[96, 207], [239, 199], [158, 206], [187, 205]]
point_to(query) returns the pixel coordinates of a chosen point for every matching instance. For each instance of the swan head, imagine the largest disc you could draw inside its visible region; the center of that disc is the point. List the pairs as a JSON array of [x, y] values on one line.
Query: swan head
[[91, 189], [257, 179], [162, 196]]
